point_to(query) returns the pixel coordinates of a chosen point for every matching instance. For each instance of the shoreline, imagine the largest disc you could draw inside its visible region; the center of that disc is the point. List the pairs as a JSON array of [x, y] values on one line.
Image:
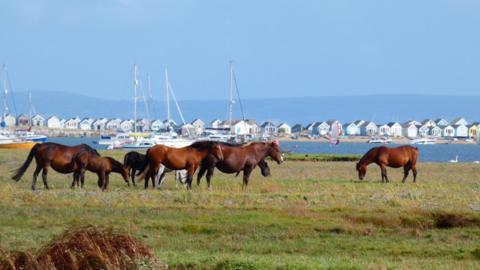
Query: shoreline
[[364, 139]]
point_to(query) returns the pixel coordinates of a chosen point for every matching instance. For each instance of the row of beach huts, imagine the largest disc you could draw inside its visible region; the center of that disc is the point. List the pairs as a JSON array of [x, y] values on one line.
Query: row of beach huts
[[438, 128]]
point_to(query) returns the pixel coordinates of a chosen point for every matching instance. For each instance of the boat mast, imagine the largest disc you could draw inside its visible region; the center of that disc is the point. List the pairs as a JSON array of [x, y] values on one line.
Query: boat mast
[[167, 85], [232, 101], [135, 89], [5, 93]]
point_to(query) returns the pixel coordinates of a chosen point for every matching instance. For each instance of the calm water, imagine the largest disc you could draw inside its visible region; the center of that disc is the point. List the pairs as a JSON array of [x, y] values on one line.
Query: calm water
[[431, 153]]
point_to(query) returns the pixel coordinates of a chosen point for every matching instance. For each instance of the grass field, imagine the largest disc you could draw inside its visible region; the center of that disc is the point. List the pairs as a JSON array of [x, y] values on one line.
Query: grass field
[[308, 215]]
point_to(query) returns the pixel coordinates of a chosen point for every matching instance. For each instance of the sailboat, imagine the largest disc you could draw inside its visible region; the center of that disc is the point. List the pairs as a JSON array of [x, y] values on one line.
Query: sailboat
[[169, 138], [9, 140]]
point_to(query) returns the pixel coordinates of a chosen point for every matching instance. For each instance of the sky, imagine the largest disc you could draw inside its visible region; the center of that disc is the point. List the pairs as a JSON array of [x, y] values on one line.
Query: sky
[[279, 48]]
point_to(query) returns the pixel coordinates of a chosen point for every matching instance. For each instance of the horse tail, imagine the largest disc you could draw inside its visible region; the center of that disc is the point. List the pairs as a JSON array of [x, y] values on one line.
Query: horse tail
[[145, 168], [20, 171], [125, 160], [143, 174]]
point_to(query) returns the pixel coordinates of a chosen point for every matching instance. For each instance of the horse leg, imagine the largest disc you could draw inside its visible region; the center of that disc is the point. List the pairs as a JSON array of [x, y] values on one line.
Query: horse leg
[[385, 173], [105, 183], [75, 176], [35, 175], [200, 174], [414, 170], [82, 178], [209, 176], [44, 177], [191, 171], [246, 175], [132, 175], [406, 169]]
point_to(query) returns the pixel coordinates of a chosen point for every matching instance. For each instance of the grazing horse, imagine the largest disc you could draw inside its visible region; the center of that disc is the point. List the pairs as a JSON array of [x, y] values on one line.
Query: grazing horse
[[402, 156], [102, 166], [133, 162], [57, 156], [237, 158], [185, 158]]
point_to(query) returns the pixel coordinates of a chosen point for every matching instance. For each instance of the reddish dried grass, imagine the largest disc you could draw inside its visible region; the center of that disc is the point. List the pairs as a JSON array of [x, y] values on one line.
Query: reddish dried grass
[[87, 247]]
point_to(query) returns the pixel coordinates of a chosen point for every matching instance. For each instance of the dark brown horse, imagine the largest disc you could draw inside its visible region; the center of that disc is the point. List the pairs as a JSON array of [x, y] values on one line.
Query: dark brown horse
[[133, 162], [57, 156], [402, 156], [185, 158], [102, 166], [237, 158]]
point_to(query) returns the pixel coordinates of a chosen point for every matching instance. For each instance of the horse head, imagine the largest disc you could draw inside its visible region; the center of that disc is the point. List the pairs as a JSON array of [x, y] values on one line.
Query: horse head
[[274, 151], [217, 151], [362, 170], [264, 168]]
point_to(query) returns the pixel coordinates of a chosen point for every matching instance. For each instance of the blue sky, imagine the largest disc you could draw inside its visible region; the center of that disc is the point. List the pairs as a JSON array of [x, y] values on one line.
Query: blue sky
[[280, 48]]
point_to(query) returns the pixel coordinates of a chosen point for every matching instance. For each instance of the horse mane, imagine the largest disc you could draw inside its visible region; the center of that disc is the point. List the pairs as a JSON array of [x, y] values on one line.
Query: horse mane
[[369, 152], [203, 145], [90, 149]]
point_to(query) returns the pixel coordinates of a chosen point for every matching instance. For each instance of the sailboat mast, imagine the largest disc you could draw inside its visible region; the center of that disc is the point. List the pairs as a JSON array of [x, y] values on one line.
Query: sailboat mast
[[30, 108], [135, 89], [167, 90], [5, 93], [230, 110]]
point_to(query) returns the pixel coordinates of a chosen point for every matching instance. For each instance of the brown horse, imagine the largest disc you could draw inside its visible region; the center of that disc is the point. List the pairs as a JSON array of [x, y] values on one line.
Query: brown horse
[[237, 158], [402, 156], [102, 166], [185, 158], [57, 156]]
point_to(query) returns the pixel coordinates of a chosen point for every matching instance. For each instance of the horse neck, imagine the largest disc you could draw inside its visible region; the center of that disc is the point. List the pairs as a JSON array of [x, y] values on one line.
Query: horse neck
[[261, 151], [368, 158], [116, 167]]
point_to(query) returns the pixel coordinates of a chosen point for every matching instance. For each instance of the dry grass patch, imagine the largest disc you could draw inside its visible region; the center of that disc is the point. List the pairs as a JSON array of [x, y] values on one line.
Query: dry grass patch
[[86, 247]]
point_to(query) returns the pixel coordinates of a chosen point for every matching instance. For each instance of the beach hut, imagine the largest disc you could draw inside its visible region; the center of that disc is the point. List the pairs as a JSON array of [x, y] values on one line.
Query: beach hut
[[459, 121], [321, 128], [435, 132], [86, 123], [448, 132], [351, 129], [72, 123], [297, 128], [38, 120], [473, 130], [441, 122], [284, 129], [113, 124], [126, 125], [156, 125], [429, 123], [384, 130], [424, 131], [53, 122], [23, 120], [409, 130], [368, 129], [100, 124], [395, 129], [461, 131], [269, 128], [199, 126]]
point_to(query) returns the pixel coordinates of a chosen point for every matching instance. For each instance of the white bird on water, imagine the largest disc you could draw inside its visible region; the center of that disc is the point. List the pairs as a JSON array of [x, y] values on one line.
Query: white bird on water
[[454, 160]]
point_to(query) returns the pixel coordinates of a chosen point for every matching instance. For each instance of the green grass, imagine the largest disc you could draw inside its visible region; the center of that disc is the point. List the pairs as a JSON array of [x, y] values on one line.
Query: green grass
[[321, 157], [307, 215]]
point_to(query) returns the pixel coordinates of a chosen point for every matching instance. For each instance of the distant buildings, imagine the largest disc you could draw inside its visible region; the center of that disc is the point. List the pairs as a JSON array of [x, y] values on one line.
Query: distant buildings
[[438, 128]]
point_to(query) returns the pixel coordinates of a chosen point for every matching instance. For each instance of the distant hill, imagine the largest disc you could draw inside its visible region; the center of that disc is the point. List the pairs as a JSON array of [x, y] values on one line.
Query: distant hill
[[379, 108]]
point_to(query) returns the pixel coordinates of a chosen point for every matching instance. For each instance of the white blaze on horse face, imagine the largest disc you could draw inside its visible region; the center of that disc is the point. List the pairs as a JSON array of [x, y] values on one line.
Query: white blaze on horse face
[[282, 157]]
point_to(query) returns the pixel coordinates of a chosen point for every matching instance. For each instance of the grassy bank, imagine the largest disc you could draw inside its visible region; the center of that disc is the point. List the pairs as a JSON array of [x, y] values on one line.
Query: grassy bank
[[308, 215], [321, 157]]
